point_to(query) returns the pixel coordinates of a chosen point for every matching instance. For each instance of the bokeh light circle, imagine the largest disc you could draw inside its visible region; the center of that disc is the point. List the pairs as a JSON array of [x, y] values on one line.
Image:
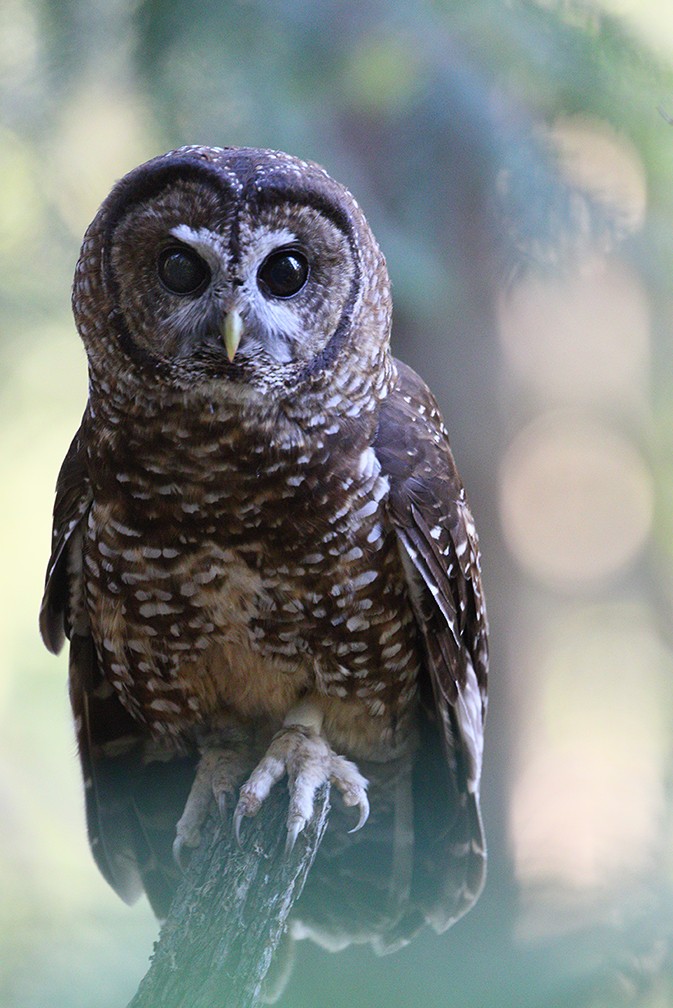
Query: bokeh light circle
[[576, 499]]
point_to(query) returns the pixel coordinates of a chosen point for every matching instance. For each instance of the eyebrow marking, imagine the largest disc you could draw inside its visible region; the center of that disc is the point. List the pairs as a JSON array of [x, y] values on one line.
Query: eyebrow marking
[[210, 245]]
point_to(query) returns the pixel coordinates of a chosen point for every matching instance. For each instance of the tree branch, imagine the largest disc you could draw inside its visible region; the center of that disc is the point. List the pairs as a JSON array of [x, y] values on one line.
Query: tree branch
[[230, 911]]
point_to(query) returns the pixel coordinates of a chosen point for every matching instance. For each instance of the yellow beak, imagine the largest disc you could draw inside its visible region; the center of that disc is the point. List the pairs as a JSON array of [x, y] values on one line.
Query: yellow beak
[[232, 330]]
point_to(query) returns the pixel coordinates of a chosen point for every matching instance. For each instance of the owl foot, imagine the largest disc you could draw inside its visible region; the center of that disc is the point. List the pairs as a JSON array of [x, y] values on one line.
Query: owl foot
[[217, 775], [301, 752]]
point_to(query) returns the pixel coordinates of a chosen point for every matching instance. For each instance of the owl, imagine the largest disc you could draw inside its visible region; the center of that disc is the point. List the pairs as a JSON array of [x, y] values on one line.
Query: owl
[[262, 553]]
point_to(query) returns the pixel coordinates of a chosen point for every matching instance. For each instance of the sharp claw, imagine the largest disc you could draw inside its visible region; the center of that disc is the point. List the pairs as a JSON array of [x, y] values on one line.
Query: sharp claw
[[364, 815], [179, 853], [293, 830], [238, 816]]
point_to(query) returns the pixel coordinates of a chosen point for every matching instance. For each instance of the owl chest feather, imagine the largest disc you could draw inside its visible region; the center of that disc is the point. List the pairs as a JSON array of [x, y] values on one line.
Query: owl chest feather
[[225, 578]]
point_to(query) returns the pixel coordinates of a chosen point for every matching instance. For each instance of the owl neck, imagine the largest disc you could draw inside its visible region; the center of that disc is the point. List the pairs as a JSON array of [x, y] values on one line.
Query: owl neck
[[240, 427]]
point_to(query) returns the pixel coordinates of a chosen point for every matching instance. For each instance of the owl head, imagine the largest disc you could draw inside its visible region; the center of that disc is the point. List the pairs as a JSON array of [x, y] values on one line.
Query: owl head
[[243, 267]]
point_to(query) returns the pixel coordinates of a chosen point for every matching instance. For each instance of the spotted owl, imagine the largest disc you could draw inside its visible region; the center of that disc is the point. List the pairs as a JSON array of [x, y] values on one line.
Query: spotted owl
[[262, 553]]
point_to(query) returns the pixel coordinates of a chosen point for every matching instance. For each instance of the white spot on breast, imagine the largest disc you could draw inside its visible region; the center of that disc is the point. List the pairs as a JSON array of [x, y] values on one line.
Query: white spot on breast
[[106, 551], [214, 497], [124, 529], [341, 513], [205, 577], [150, 609], [390, 631], [165, 706], [181, 646], [333, 401], [357, 622], [370, 508], [368, 463], [376, 707], [363, 579], [294, 606], [375, 533], [92, 565], [391, 651]]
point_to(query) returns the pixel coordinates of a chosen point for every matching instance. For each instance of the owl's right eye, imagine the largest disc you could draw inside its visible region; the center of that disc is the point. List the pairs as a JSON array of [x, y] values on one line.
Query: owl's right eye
[[182, 271]]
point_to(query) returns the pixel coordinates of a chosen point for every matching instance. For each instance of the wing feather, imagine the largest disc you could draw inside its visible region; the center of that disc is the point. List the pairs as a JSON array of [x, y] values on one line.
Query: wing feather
[[437, 535], [440, 554], [73, 500], [132, 801]]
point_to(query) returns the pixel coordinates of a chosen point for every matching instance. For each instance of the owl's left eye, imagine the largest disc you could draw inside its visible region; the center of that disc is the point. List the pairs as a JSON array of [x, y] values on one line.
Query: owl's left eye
[[283, 273], [182, 271]]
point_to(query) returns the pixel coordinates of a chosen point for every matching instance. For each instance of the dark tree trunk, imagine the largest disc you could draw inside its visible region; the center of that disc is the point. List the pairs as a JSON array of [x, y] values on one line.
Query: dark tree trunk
[[231, 910]]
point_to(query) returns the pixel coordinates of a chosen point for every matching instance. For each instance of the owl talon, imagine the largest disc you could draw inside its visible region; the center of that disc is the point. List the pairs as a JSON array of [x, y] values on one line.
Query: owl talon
[[306, 757], [179, 845], [293, 830], [187, 832], [363, 805], [216, 775], [237, 826], [238, 818], [251, 797]]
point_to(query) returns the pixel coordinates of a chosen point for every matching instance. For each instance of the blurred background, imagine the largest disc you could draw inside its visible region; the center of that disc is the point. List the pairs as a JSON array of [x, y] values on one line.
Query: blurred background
[[515, 160]]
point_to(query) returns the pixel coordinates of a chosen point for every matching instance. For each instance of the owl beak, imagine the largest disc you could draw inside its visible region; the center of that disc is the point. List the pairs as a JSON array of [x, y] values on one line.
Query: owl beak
[[232, 330]]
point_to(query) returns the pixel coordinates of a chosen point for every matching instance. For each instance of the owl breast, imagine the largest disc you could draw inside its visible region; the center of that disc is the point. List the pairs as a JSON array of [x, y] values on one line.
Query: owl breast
[[205, 596]]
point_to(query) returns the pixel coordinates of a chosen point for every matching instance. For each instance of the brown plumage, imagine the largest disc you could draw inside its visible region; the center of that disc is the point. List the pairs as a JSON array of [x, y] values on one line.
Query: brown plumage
[[261, 542]]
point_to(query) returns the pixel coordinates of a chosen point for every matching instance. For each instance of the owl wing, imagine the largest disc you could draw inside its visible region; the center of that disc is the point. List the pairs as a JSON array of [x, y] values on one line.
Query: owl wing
[[440, 553], [73, 500], [132, 803]]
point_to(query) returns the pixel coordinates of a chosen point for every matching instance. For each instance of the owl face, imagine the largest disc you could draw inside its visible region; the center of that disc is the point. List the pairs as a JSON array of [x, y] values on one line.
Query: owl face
[[242, 266]]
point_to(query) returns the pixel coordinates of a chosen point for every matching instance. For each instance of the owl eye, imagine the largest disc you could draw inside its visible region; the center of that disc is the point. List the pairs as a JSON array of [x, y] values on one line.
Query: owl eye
[[283, 273], [182, 271]]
